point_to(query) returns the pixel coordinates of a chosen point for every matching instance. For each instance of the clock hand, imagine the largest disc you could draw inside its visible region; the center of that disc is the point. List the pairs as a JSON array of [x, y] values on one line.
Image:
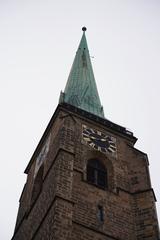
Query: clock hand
[[103, 140], [98, 139]]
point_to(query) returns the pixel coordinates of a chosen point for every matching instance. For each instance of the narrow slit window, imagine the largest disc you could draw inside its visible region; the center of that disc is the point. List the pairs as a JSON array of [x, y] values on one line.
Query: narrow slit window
[[100, 214]]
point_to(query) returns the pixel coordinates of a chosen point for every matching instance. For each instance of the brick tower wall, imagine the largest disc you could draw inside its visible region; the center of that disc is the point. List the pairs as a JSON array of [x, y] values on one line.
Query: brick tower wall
[[66, 206]]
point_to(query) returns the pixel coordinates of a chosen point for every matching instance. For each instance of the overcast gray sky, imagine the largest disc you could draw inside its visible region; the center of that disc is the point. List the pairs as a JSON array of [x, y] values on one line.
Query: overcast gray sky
[[38, 42]]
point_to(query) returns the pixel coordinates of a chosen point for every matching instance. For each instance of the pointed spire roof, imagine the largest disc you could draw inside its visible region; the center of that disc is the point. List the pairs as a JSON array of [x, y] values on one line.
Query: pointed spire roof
[[81, 90]]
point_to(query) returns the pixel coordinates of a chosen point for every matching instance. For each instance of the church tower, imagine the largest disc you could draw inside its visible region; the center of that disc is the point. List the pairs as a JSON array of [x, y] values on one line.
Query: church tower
[[86, 180]]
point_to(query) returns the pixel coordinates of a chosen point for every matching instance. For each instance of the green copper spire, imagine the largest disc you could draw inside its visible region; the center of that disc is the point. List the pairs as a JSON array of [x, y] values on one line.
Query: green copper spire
[[81, 90]]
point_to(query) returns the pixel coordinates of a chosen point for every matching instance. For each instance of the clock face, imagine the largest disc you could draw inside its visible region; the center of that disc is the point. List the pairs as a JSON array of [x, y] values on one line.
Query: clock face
[[98, 140]]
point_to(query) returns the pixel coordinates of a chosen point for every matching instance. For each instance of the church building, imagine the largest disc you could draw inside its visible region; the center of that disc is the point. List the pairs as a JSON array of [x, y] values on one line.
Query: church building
[[86, 180]]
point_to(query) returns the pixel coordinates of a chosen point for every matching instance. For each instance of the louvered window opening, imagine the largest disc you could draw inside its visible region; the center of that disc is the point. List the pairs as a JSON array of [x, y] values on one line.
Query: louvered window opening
[[96, 173]]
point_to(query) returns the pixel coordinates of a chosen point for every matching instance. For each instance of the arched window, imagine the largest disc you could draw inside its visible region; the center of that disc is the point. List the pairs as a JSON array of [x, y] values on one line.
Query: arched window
[[97, 173]]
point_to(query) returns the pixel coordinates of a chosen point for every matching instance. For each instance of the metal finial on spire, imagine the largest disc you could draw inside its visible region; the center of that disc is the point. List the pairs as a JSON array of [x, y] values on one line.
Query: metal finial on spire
[[84, 29]]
